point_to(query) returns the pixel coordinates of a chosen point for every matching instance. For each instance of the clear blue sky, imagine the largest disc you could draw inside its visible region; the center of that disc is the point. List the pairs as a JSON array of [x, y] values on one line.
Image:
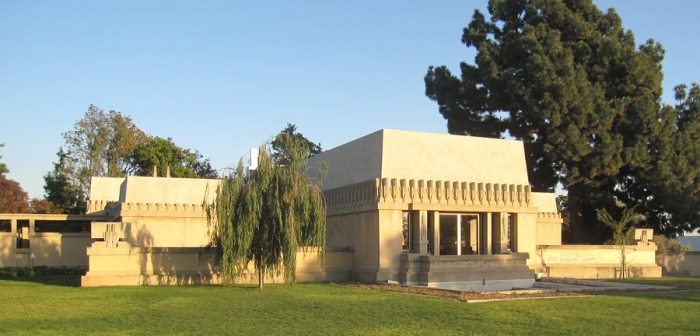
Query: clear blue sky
[[221, 77]]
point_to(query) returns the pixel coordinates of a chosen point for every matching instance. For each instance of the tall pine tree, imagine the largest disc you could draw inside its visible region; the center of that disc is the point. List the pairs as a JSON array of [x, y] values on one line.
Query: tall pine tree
[[568, 80]]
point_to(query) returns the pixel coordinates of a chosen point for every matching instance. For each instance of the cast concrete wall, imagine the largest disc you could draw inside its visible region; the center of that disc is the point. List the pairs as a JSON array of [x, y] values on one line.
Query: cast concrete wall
[[424, 156], [166, 232], [687, 263], [8, 241], [595, 261], [183, 266], [356, 161], [431, 156], [544, 202], [467, 272], [49, 249], [106, 188], [141, 189], [358, 232]]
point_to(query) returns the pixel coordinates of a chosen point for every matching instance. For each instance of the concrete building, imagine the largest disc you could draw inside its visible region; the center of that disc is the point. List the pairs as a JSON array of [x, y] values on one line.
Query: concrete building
[[437, 210], [409, 207]]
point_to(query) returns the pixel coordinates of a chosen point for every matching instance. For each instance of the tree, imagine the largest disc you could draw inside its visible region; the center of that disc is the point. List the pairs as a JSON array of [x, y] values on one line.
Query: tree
[[264, 216], [569, 81], [62, 188], [13, 199], [621, 229], [279, 153], [3, 167], [669, 189], [42, 206], [164, 154], [99, 144]]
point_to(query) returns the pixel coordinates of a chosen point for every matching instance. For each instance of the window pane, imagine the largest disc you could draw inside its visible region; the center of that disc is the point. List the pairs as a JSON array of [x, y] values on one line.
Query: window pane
[[5, 225], [61, 226], [406, 231], [448, 235]]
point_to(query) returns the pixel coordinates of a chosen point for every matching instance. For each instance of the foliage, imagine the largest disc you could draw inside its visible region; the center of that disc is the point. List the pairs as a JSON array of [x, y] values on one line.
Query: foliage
[[62, 187], [621, 228], [667, 245], [37, 306], [164, 154], [3, 167], [568, 80], [266, 215], [43, 206], [14, 272], [13, 199], [279, 152], [104, 144], [98, 145], [669, 189]]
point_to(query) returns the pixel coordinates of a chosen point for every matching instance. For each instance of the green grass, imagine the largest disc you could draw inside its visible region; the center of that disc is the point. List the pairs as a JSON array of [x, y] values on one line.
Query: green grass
[[47, 306], [679, 282]]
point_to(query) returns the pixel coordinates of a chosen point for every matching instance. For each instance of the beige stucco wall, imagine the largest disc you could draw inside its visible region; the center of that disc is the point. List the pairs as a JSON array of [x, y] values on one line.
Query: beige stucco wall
[[356, 161], [545, 202], [60, 249], [446, 157], [424, 156], [54, 249], [526, 235], [390, 240], [166, 232], [358, 232], [141, 189], [7, 248], [548, 233], [178, 266], [49, 249], [595, 261], [106, 188]]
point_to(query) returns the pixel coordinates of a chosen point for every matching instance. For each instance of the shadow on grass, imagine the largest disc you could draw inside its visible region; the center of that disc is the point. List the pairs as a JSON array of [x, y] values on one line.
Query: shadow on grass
[[59, 280]]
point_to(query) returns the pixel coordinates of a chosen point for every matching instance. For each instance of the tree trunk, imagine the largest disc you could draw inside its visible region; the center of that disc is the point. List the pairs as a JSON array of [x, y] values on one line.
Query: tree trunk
[[261, 274]]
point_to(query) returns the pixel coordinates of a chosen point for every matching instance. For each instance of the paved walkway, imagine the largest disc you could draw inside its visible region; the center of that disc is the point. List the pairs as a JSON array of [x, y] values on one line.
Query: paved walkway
[[581, 285]]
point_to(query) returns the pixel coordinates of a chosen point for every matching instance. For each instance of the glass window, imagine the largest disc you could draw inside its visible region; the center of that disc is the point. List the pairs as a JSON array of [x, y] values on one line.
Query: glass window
[[61, 226], [511, 232], [5, 225], [406, 231]]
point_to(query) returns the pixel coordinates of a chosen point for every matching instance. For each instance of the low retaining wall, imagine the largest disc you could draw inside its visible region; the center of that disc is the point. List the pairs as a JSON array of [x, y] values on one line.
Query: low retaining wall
[[596, 261], [467, 272], [687, 263], [49, 249], [130, 266]]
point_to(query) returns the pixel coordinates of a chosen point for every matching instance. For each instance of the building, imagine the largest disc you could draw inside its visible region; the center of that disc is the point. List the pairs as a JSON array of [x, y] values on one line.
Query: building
[[437, 210], [408, 207]]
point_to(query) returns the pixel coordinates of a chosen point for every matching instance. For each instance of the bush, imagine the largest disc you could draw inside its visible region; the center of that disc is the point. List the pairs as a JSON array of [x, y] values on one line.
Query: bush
[[668, 245], [15, 272]]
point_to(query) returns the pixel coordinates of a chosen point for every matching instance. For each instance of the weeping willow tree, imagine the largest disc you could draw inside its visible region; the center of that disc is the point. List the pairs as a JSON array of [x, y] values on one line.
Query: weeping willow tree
[[266, 215]]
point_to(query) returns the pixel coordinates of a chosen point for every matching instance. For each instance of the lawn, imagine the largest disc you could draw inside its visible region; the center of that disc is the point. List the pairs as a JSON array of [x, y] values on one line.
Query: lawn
[[48, 306]]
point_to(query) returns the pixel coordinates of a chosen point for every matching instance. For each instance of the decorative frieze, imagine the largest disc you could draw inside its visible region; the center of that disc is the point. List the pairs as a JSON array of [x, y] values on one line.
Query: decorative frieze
[[393, 190], [543, 217], [124, 208]]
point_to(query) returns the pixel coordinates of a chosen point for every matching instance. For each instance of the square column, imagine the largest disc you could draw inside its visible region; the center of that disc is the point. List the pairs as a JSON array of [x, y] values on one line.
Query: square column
[[419, 225], [488, 234], [435, 216]]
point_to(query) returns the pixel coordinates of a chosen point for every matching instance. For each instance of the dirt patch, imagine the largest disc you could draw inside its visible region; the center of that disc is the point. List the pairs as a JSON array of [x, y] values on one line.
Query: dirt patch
[[464, 296]]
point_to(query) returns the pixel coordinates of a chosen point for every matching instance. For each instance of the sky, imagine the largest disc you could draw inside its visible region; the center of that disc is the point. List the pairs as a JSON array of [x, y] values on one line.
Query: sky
[[222, 77]]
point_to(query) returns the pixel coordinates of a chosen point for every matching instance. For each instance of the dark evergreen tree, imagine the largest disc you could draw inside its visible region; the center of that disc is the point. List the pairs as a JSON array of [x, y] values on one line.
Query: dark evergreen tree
[[569, 81], [62, 188]]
